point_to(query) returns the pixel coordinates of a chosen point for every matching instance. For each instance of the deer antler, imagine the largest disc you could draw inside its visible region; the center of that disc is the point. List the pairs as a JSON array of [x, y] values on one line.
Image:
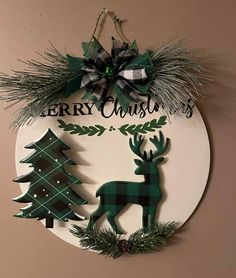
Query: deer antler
[[161, 145], [135, 146]]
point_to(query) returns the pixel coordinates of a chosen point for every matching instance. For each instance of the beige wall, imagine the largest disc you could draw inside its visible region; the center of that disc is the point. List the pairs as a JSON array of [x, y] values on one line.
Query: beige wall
[[207, 247]]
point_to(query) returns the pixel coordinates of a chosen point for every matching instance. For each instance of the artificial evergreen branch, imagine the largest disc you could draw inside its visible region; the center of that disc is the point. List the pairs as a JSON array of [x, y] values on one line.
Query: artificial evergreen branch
[[171, 75], [104, 242], [180, 75], [155, 239], [108, 243], [39, 87]]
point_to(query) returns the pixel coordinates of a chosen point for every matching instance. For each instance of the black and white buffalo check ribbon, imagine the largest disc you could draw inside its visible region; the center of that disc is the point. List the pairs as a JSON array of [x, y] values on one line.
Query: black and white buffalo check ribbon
[[102, 69]]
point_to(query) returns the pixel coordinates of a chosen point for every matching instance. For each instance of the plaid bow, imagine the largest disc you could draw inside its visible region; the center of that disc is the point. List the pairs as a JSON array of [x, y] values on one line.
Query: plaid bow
[[125, 68]]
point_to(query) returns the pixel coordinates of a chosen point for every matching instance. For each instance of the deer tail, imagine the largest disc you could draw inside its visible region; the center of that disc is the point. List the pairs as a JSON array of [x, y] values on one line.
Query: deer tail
[[102, 190]]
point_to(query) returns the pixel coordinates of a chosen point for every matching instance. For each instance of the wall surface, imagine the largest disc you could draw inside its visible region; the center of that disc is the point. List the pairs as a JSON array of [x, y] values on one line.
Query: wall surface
[[207, 247]]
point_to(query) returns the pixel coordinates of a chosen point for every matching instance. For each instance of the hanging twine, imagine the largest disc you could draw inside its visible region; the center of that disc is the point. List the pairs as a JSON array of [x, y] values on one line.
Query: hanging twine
[[116, 22]]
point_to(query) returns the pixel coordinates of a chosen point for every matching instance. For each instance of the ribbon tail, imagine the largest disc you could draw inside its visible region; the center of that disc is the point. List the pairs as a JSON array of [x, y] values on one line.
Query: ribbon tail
[[122, 99], [128, 90], [75, 63], [91, 47], [73, 85], [97, 92], [91, 97]]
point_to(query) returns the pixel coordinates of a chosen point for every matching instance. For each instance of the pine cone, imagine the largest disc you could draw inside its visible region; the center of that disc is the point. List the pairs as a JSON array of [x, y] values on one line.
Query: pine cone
[[124, 246]]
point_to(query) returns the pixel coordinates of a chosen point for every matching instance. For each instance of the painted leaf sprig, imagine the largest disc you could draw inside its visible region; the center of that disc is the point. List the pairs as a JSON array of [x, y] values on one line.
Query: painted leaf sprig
[[150, 126], [82, 130]]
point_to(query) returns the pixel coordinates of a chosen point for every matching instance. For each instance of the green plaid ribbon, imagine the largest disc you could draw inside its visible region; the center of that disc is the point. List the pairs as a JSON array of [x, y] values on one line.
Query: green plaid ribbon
[[129, 72]]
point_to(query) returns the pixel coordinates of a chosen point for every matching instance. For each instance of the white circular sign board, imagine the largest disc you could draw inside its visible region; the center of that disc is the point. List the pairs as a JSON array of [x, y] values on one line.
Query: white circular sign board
[[108, 157]]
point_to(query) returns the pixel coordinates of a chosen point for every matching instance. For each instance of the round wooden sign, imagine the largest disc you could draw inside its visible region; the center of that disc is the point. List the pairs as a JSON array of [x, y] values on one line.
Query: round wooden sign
[[99, 142]]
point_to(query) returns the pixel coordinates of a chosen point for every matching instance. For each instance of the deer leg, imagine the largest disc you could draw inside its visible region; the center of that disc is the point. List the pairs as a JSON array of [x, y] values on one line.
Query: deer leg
[[149, 214], [145, 218], [113, 224], [95, 216]]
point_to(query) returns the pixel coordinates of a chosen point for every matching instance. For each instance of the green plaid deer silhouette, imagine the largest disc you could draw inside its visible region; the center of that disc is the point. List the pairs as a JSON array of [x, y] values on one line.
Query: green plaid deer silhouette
[[115, 195]]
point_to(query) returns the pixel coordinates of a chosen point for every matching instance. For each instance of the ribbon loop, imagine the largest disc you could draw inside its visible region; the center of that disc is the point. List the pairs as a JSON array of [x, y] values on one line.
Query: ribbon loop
[[134, 74]]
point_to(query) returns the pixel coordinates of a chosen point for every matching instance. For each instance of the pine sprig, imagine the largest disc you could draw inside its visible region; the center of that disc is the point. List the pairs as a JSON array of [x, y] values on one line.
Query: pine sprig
[[150, 126], [108, 243], [82, 130], [104, 242], [180, 76], [156, 238], [40, 86]]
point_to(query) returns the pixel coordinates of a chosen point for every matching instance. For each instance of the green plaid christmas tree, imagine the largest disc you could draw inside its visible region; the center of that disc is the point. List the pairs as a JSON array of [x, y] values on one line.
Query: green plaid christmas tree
[[49, 192]]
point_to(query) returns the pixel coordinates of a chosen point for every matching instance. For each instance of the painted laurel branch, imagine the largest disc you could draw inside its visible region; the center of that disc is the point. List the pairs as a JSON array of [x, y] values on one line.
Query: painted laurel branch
[[107, 242], [82, 130], [126, 129], [143, 128]]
